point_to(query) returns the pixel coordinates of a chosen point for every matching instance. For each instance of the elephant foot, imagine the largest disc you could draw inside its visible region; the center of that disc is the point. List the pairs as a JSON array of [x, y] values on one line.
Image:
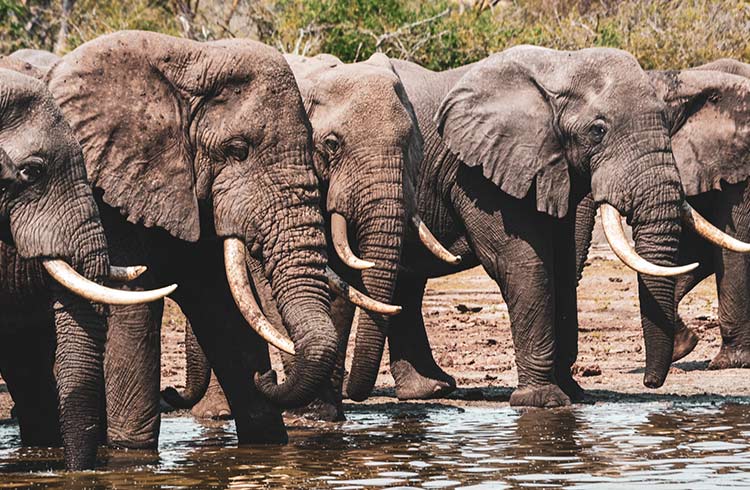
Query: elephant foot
[[545, 396], [685, 341], [212, 406], [731, 357], [411, 385], [320, 410]]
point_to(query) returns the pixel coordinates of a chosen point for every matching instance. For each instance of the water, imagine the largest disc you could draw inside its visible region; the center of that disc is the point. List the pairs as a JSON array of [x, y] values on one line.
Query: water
[[611, 445]]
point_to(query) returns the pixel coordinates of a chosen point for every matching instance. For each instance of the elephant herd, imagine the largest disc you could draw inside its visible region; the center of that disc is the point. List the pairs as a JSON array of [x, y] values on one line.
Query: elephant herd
[[271, 195]]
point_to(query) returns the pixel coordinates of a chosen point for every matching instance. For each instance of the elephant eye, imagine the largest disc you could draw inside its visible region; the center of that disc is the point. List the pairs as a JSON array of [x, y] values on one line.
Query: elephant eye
[[238, 149], [332, 144], [30, 172], [597, 131]]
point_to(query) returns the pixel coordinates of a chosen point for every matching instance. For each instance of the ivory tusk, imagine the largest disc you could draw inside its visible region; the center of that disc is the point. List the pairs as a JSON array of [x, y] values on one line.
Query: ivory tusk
[[708, 231], [432, 243], [63, 273], [126, 274], [239, 284], [341, 244], [624, 250], [358, 298]]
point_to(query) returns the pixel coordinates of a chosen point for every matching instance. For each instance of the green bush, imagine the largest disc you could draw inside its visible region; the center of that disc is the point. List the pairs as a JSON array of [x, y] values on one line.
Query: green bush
[[660, 33]]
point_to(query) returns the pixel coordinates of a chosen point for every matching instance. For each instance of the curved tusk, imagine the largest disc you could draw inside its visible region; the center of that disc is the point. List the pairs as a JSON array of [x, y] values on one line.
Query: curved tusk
[[341, 244], [708, 231], [620, 245], [126, 274], [239, 284], [358, 298], [63, 273], [432, 243]]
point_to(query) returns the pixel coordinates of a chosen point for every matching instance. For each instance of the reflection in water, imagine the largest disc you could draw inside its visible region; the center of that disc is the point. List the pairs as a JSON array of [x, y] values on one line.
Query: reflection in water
[[430, 446]]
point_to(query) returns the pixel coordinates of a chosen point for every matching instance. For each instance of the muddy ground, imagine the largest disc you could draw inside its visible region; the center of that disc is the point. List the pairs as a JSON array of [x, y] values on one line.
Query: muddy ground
[[476, 347]]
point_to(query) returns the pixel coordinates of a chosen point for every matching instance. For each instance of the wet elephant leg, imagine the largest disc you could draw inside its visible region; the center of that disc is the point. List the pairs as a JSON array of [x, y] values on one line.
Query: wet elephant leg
[[733, 280], [235, 352], [26, 364], [132, 370], [413, 367]]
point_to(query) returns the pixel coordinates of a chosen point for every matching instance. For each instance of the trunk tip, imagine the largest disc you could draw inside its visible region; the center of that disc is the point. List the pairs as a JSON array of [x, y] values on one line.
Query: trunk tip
[[653, 381]]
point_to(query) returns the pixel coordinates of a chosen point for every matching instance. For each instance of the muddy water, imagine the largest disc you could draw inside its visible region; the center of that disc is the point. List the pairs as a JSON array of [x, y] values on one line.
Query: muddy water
[[624, 445]]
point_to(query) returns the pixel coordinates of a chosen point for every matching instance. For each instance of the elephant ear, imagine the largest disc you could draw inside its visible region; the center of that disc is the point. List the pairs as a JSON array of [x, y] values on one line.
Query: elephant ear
[[500, 116], [128, 98], [709, 115]]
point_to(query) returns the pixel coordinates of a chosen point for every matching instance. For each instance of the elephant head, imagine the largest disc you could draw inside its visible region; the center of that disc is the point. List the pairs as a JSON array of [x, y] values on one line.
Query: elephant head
[[211, 140], [708, 113], [367, 147], [541, 122], [47, 212]]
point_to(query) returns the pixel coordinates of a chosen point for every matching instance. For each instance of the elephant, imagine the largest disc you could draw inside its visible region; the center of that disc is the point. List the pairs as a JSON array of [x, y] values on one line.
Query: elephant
[[201, 161], [513, 143], [53, 254], [710, 128], [367, 172]]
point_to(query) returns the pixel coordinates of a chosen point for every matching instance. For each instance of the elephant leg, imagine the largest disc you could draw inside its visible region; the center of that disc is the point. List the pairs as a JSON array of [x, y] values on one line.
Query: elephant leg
[[236, 353], [513, 243], [733, 280], [213, 405], [685, 339], [26, 364], [566, 262], [413, 367], [132, 368]]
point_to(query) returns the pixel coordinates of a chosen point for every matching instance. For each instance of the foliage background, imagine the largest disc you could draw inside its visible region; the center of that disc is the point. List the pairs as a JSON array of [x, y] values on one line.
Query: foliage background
[[439, 34]]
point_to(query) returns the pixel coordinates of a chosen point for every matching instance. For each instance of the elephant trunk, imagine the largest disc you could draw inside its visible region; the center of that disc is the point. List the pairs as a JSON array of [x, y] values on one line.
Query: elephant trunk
[[79, 371], [80, 325], [300, 289], [380, 235], [197, 375], [656, 230]]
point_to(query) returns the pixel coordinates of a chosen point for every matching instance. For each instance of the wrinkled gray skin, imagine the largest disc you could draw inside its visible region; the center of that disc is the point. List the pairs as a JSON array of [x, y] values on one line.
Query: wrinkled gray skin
[[709, 113], [51, 342], [512, 144], [188, 143], [366, 166]]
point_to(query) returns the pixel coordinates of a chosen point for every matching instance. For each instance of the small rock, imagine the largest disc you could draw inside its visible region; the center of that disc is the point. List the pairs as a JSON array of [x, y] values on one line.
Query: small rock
[[586, 370], [615, 279], [491, 342], [462, 308]]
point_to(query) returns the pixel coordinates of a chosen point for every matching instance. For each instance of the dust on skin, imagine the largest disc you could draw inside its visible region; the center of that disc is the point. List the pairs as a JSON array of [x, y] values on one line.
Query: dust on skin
[[476, 347]]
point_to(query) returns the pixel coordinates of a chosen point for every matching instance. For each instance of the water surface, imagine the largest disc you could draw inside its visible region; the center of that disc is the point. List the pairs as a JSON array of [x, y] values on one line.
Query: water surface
[[610, 445]]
